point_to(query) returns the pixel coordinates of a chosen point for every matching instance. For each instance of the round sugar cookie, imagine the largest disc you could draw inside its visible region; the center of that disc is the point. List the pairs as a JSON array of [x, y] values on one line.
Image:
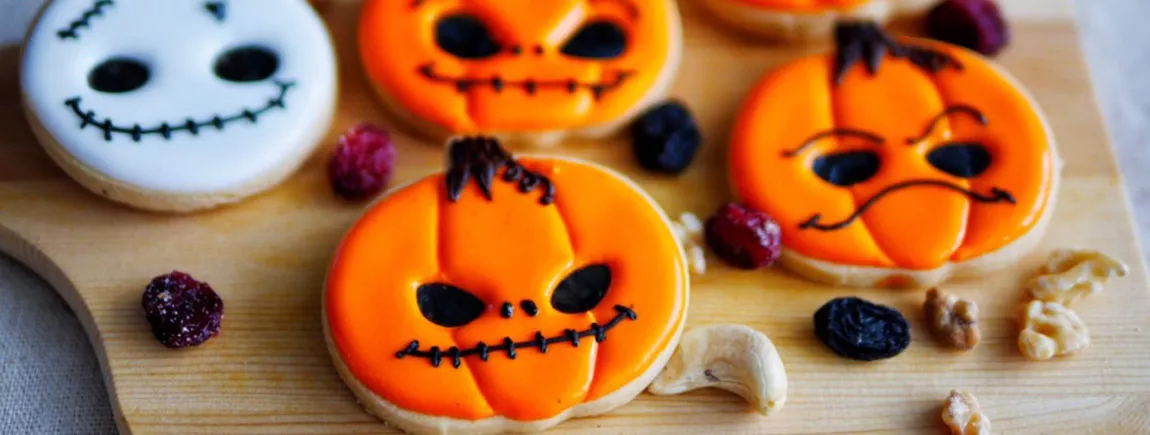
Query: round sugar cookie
[[804, 20], [896, 162], [178, 105], [505, 295], [523, 70]]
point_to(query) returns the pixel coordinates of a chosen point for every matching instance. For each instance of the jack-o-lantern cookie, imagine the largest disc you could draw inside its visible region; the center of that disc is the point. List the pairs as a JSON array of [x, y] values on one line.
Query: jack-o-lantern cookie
[[895, 163], [178, 105], [522, 70], [506, 294], [803, 20]]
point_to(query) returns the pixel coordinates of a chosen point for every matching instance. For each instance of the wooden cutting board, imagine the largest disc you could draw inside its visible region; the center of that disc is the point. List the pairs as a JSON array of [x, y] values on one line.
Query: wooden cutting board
[[269, 371]]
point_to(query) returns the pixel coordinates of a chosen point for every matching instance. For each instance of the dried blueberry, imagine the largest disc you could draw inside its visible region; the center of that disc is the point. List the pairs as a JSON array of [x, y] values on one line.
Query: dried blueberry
[[861, 330], [183, 312], [666, 138], [974, 24]]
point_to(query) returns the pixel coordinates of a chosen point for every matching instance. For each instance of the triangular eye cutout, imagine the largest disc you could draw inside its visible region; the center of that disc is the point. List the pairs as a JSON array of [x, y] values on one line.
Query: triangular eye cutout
[[219, 10]]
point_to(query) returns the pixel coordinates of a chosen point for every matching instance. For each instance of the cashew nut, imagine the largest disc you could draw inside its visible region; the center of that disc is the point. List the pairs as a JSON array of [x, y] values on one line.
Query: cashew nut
[[735, 358]]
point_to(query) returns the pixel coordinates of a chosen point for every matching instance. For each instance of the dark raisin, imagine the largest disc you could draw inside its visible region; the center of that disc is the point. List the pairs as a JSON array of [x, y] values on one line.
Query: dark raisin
[[183, 312], [666, 138], [974, 24], [860, 330]]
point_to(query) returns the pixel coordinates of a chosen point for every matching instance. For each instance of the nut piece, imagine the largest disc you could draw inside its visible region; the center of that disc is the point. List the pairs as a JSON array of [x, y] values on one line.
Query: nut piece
[[953, 320], [735, 358], [1073, 273], [689, 230], [1050, 329], [963, 415]]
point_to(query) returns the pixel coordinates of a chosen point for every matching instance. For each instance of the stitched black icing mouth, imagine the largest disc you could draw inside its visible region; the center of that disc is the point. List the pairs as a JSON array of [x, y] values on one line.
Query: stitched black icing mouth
[[435, 355], [85, 19], [531, 86], [166, 129], [996, 195]]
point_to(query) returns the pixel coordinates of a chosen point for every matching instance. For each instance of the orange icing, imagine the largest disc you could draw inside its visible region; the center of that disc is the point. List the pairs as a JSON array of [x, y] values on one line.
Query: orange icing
[[397, 38], [922, 227], [505, 250], [801, 5]]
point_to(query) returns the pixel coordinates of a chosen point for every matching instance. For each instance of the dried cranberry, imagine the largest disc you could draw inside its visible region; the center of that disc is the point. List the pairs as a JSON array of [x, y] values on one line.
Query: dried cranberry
[[974, 24], [744, 237], [363, 162], [183, 312], [666, 138], [860, 330]]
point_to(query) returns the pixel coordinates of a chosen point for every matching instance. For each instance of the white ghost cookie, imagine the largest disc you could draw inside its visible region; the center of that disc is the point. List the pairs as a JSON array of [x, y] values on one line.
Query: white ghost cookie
[[179, 105]]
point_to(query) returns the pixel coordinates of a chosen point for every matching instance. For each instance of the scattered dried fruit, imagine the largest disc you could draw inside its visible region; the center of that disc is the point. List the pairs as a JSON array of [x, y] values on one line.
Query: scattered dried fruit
[[666, 138], [974, 24], [735, 358], [1070, 274], [183, 312], [953, 320], [362, 164], [861, 330], [689, 230], [963, 415], [1050, 329], [746, 238]]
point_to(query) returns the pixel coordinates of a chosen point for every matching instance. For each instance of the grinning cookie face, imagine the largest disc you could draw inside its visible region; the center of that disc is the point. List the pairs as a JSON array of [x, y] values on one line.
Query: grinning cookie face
[[468, 66], [511, 289], [182, 96]]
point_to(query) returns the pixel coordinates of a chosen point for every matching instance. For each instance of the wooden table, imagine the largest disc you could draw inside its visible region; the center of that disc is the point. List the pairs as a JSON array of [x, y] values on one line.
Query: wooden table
[[270, 373]]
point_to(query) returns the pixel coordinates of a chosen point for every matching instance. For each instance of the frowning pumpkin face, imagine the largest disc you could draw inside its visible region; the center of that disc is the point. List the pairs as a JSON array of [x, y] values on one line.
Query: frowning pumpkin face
[[890, 155], [507, 288], [465, 66]]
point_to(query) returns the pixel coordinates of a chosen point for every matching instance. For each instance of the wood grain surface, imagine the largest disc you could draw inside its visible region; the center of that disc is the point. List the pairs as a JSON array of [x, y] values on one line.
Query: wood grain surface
[[268, 372]]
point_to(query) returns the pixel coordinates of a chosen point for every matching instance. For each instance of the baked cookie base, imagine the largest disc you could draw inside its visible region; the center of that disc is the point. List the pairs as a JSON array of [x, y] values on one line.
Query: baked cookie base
[[159, 201], [794, 27], [421, 424]]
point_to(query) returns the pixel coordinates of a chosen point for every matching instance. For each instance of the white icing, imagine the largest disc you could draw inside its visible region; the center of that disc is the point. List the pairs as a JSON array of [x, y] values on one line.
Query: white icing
[[180, 40]]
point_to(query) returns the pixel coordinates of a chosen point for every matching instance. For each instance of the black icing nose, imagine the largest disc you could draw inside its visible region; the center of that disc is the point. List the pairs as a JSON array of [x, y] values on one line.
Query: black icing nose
[[529, 307], [118, 75], [507, 310]]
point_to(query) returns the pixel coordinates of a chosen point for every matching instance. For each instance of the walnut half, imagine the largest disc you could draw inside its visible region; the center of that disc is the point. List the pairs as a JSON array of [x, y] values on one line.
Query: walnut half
[[963, 415], [1070, 274], [953, 320], [1050, 329]]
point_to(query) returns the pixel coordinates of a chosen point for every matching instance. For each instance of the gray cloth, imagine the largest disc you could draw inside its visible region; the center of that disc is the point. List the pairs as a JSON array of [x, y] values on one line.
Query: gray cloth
[[50, 381]]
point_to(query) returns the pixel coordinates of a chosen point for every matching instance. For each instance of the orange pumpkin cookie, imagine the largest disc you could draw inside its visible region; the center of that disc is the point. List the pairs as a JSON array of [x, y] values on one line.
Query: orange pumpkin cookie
[[525, 70], [803, 20], [895, 163], [506, 294]]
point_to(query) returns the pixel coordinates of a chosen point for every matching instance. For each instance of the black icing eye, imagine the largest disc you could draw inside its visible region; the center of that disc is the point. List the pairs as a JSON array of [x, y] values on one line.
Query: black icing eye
[[118, 75], [966, 160], [247, 64], [597, 40], [582, 290], [448, 306], [847, 168], [465, 36]]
